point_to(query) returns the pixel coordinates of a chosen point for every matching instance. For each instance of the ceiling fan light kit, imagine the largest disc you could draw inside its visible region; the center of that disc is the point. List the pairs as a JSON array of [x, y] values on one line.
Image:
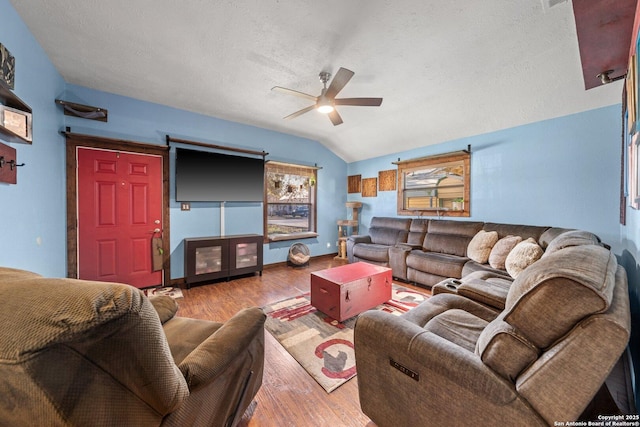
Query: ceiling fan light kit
[[326, 102]]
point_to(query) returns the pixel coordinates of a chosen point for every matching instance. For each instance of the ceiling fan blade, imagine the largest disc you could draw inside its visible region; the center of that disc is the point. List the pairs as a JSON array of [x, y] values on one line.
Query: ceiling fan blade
[[300, 112], [294, 92], [335, 118], [365, 102], [341, 78]]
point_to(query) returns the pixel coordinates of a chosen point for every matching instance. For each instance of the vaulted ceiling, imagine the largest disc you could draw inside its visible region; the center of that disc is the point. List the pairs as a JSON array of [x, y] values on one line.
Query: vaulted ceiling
[[446, 69]]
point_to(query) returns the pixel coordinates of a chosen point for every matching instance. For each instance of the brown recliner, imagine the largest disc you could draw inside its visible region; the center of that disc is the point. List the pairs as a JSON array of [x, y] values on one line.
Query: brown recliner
[[80, 353], [453, 361]]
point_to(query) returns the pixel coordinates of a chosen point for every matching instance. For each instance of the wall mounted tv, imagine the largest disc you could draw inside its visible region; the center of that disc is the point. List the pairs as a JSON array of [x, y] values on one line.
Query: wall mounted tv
[[203, 176]]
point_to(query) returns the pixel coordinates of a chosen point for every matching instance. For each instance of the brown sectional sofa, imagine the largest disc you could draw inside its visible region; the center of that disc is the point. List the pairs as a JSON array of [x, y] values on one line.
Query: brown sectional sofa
[[538, 361], [526, 346], [428, 251]]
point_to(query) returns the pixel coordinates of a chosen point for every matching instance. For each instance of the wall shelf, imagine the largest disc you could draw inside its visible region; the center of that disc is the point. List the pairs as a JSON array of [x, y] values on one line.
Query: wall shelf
[[9, 99]]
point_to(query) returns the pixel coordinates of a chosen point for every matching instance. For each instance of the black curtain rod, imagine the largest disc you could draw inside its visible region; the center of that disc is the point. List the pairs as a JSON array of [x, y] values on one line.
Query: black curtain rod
[[218, 147]]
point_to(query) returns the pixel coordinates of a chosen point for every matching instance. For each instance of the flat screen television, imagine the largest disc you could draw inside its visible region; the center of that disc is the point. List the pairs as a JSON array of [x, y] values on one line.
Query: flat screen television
[[203, 176]]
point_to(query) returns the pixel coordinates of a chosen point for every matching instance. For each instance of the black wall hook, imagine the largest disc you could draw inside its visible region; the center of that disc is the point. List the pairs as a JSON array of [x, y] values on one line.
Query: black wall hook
[[12, 164]]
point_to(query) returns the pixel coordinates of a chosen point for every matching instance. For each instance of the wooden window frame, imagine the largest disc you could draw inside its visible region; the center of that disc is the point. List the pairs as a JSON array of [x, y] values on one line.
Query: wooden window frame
[[425, 162], [312, 173]]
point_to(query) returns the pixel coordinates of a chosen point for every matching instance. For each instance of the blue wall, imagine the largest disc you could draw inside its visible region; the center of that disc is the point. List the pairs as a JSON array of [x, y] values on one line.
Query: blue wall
[[563, 172], [32, 213], [146, 122], [560, 172]]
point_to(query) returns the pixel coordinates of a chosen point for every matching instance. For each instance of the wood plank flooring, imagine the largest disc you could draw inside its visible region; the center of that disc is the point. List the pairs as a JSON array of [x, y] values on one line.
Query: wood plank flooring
[[289, 396]]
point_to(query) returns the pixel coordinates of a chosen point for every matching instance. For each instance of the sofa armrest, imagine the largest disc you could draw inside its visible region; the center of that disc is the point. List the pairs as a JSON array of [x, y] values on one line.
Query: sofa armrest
[[354, 240], [165, 306], [359, 238], [381, 337], [207, 361], [484, 292]]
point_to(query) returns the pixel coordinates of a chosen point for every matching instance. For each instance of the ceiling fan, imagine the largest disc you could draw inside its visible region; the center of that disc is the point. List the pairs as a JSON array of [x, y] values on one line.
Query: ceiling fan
[[327, 101]]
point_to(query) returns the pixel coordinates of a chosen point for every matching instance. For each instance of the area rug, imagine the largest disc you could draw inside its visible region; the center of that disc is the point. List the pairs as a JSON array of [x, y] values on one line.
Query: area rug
[[174, 293], [321, 345]]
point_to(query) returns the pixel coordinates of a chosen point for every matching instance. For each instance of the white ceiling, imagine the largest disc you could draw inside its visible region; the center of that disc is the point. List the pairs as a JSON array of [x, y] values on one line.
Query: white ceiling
[[446, 69]]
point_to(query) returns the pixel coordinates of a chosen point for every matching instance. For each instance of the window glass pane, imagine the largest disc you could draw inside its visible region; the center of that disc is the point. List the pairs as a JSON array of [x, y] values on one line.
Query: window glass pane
[[290, 200], [434, 184]]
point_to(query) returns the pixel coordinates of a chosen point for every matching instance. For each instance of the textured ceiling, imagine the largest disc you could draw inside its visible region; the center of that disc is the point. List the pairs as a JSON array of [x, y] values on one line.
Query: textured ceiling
[[446, 69]]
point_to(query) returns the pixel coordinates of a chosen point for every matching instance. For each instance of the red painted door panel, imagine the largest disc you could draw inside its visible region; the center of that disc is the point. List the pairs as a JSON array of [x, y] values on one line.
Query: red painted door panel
[[119, 211]]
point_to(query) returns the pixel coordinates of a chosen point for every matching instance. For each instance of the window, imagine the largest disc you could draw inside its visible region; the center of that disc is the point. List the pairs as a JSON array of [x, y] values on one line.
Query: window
[[435, 185], [290, 201]]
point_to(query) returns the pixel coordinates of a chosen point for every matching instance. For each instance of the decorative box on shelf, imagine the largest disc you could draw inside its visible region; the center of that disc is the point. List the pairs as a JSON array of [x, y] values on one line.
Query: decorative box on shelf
[[15, 117]]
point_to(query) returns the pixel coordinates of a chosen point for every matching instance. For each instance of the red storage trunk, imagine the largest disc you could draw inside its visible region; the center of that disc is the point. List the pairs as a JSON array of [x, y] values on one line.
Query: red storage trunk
[[346, 291]]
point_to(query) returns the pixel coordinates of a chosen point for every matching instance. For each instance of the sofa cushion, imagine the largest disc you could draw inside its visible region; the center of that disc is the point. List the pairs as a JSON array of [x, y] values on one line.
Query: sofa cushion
[[458, 228], [504, 350], [165, 306], [501, 250], [435, 263], [524, 231], [72, 309], [551, 234], [371, 252], [486, 287], [447, 244], [537, 301], [390, 222], [481, 244], [457, 326], [387, 236], [417, 231], [571, 238], [522, 256], [472, 266]]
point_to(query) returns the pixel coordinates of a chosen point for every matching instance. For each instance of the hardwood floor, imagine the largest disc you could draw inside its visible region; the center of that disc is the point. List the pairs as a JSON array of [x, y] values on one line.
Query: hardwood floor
[[289, 396]]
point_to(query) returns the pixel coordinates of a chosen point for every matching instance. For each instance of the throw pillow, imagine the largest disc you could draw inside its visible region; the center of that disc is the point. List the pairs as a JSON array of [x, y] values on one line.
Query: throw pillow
[[480, 246], [522, 256], [501, 249]]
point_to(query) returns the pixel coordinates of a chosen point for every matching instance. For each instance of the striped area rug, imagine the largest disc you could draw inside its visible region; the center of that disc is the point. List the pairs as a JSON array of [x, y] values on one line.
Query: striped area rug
[[321, 345]]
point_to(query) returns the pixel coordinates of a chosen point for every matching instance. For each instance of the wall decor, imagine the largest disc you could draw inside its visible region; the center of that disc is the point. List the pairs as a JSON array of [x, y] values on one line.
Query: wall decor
[[354, 183], [387, 180], [83, 111], [370, 187], [7, 66], [16, 121]]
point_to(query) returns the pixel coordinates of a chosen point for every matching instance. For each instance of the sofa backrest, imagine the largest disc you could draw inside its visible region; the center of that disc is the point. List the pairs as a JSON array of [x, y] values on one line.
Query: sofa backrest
[[69, 344], [389, 231], [545, 302], [417, 230], [449, 236], [524, 231], [571, 238]]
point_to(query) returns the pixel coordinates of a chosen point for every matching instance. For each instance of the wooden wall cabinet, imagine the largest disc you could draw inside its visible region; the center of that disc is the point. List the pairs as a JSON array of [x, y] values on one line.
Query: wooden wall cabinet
[[211, 258]]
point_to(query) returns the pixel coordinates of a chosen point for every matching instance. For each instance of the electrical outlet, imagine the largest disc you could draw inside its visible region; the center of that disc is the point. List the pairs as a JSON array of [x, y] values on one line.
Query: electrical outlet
[[337, 243], [185, 206]]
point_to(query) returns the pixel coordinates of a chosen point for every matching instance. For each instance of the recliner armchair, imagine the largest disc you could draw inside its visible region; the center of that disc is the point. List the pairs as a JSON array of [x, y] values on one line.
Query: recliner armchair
[[453, 361], [78, 353]]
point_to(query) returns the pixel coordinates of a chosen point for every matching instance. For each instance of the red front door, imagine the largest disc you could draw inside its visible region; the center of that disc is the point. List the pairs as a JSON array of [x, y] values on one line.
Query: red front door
[[119, 212]]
